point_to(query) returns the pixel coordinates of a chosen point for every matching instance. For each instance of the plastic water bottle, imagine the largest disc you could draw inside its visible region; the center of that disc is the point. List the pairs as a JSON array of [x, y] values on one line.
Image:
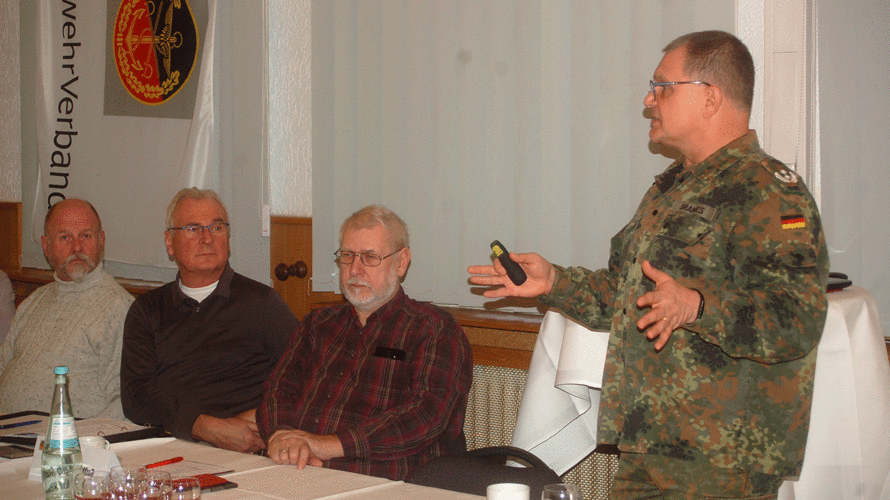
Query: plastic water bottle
[[61, 459]]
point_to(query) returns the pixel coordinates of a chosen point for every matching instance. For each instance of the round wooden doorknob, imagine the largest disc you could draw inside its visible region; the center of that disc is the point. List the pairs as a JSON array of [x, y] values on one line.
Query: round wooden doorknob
[[284, 271]]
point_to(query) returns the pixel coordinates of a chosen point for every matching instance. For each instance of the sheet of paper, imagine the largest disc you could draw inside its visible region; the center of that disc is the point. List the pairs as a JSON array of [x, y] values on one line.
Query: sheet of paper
[[285, 481], [191, 468]]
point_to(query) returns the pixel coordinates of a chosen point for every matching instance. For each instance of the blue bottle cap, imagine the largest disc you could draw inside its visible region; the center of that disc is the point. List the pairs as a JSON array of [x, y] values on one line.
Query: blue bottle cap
[[61, 370]]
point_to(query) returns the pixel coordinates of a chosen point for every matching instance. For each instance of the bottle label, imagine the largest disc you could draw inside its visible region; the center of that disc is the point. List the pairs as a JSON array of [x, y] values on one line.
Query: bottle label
[[63, 433]]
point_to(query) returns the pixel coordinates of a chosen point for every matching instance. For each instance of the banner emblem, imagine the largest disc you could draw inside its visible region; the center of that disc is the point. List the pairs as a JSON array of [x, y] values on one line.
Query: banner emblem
[[155, 47]]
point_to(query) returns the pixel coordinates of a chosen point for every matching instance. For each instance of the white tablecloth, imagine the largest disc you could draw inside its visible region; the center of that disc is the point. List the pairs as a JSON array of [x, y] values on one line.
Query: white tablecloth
[[848, 446], [257, 477]]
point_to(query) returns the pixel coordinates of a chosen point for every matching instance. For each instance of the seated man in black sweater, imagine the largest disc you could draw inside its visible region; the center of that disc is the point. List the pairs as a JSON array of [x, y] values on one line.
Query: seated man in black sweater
[[197, 351]]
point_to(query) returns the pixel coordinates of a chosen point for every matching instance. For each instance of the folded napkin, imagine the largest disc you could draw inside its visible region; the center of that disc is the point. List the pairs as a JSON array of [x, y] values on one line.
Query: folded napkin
[[558, 412]]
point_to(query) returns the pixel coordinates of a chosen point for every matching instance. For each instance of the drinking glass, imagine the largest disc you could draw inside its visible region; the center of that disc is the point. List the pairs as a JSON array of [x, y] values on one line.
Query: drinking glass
[[157, 486], [186, 488], [125, 483], [90, 486], [561, 491]]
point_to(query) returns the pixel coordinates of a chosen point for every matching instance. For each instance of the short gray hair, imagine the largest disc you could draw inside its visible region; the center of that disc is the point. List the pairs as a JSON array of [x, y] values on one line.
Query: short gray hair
[[374, 215], [192, 193], [721, 59]]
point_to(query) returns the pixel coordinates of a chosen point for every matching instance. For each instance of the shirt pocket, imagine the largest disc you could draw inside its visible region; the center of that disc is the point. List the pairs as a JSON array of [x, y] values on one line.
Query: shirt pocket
[[384, 381], [685, 228], [685, 235]]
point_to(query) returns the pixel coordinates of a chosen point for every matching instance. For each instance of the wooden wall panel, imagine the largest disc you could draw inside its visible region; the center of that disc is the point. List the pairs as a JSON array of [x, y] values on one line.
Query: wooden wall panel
[[10, 236], [290, 242], [26, 280]]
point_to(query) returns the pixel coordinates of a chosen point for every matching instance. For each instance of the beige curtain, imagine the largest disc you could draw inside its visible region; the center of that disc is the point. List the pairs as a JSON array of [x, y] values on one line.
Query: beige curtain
[[853, 51], [514, 120]]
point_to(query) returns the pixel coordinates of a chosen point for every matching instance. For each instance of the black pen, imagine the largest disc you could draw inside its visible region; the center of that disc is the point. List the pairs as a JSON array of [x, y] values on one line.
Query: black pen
[[221, 486], [18, 424]]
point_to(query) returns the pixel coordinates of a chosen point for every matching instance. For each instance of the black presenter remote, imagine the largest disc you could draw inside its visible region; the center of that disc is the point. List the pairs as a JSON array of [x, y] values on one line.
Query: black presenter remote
[[514, 271]]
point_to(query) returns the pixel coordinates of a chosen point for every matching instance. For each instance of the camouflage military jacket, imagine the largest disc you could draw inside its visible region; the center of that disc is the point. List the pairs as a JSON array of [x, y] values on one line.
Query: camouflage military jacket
[[736, 385]]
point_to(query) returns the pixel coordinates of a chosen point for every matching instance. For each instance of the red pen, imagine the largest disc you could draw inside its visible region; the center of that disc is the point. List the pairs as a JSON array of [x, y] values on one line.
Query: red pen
[[164, 462]]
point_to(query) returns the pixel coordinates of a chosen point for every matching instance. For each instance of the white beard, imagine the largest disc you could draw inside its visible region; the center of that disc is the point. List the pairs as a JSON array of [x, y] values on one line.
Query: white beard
[[371, 300], [79, 271]]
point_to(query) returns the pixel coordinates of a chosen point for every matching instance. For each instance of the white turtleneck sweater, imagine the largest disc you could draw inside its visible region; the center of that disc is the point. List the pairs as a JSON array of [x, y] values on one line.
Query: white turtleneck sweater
[[78, 325]]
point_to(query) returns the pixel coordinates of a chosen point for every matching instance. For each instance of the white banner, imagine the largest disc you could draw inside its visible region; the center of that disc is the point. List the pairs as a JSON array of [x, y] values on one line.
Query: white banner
[[117, 86]]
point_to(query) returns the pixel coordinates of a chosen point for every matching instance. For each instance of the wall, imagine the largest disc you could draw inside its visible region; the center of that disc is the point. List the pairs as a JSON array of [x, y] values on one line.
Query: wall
[[290, 108], [10, 110]]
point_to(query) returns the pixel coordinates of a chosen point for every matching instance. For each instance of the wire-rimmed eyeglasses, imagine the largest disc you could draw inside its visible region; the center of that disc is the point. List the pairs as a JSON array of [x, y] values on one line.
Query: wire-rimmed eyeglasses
[[215, 228], [653, 85], [370, 259]]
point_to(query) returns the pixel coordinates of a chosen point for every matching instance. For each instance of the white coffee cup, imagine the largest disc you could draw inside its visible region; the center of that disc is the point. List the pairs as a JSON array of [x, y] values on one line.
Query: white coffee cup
[[95, 441], [507, 491]]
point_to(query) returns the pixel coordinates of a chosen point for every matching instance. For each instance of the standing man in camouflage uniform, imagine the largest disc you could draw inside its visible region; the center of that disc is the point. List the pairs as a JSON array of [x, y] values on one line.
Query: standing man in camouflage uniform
[[714, 295]]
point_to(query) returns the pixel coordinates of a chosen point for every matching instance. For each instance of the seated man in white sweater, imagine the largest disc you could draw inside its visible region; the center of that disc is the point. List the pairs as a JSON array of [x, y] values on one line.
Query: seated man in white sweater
[[75, 321]]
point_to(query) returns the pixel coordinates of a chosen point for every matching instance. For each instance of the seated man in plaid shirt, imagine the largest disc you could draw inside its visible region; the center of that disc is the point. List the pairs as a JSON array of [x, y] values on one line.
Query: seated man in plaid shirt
[[378, 385]]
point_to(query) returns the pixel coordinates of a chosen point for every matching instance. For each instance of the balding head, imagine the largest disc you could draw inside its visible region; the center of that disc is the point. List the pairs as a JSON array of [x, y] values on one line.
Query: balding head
[[73, 241]]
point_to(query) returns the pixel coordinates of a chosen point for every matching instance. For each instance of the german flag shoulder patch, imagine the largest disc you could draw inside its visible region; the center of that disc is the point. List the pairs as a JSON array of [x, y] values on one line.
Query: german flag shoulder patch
[[793, 221]]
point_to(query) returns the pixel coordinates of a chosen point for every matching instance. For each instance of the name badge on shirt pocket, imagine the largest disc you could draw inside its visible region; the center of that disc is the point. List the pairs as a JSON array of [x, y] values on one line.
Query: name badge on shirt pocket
[[389, 353], [704, 211], [688, 223]]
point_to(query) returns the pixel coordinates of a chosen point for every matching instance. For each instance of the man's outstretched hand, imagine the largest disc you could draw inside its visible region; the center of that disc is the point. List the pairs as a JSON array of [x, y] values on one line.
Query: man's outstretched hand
[[540, 275], [670, 305]]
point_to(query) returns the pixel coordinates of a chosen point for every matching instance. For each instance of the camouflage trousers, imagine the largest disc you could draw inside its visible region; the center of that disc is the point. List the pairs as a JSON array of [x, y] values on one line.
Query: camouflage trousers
[[659, 477]]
